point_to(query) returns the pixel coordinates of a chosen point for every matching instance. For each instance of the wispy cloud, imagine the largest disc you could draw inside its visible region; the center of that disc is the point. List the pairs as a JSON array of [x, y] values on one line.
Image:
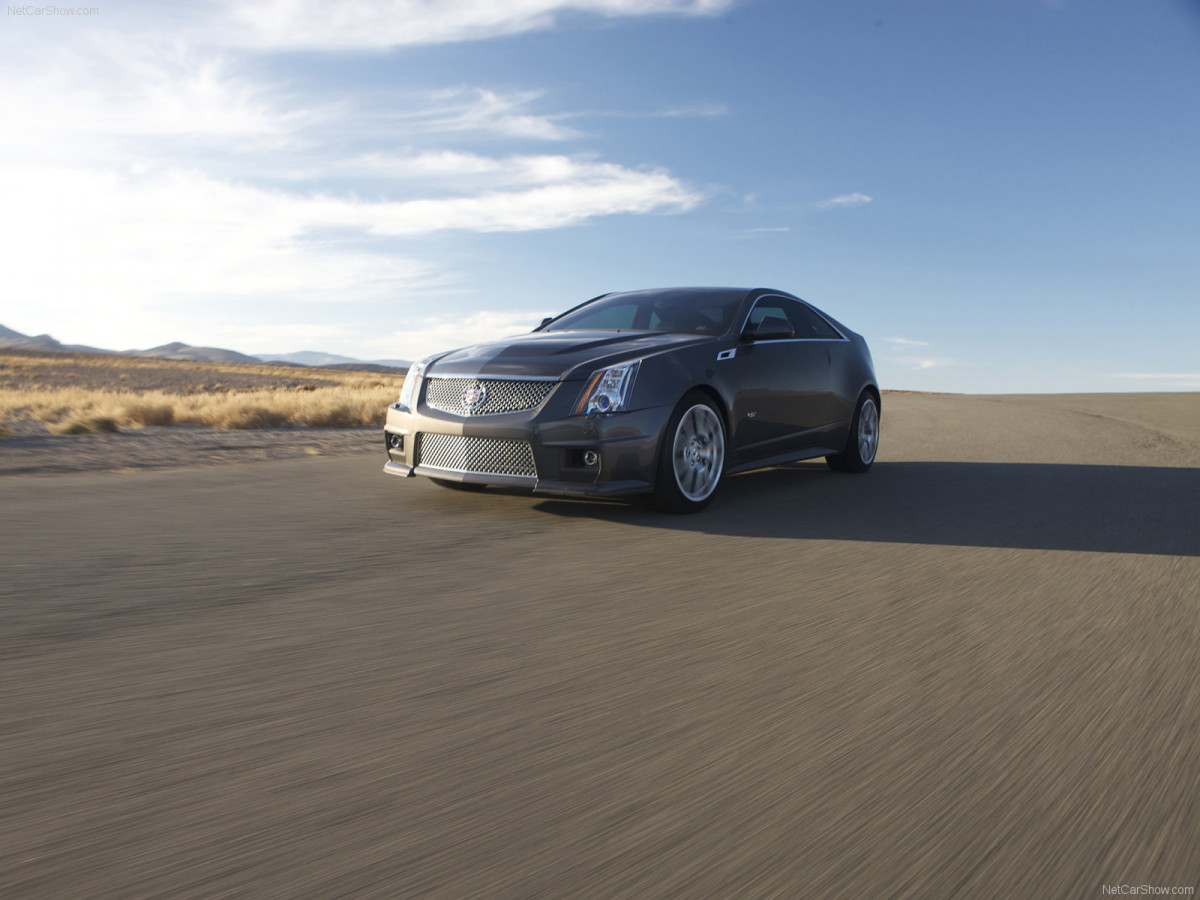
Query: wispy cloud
[[168, 176], [907, 353], [700, 111], [113, 100], [149, 176], [320, 25], [920, 362], [843, 201], [464, 109], [696, 111], [181, 233]]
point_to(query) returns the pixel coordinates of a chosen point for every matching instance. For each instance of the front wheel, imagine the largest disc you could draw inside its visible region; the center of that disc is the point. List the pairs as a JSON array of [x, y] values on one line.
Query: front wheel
[[863, 440], [691, 459]]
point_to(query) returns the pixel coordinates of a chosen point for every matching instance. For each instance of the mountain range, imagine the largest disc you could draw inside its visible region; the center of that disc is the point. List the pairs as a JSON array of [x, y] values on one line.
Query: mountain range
[[14, 340]]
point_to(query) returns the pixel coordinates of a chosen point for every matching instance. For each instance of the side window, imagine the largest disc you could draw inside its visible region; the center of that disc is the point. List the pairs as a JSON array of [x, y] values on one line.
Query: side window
[[806, 322], [813, 325], [688, 319], [770, 308]]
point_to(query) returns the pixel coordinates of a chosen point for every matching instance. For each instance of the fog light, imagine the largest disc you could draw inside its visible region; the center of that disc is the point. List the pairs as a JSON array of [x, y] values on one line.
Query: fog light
[[396, 441], [590, 457]]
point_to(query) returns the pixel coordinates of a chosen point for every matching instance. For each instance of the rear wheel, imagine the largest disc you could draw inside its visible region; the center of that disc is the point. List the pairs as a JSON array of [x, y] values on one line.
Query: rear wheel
[[691, 459], [862, 442]]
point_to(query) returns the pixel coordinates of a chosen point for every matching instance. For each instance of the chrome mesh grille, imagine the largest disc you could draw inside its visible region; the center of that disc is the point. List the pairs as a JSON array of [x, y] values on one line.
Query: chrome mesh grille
[[498, 395], [482, 456]]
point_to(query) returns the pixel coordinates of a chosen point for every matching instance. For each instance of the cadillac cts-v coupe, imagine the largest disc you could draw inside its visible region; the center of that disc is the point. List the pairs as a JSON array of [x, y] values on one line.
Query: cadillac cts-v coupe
[[660, 392]]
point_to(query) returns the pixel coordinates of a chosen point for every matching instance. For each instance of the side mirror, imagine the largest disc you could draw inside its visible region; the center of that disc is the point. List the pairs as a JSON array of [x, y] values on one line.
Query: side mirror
[[771, 328], [546, 321]]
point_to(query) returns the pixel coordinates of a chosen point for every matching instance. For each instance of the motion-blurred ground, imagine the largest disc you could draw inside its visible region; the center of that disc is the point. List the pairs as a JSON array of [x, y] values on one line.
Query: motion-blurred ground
[[970, 672]]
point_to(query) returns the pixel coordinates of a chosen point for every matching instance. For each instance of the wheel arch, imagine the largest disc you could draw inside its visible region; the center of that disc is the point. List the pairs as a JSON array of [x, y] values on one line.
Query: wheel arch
[[718, 402]]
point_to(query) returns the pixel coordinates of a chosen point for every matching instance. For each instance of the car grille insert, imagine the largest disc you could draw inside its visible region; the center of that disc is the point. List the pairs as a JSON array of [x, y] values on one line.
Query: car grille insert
[[485, 396], [478, 455]]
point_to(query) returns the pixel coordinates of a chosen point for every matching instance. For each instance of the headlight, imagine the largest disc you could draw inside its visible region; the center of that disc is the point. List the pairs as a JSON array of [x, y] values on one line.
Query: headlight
[[608, 390], [412, 381]]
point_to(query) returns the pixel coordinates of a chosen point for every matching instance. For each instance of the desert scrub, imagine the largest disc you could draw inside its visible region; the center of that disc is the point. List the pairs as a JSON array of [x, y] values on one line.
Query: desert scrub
[[85, 425], [342, 406], [148, 412], [62, 388]]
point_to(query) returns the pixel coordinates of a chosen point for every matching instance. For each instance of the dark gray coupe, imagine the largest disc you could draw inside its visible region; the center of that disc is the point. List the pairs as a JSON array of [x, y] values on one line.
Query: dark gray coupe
[[661, 392]]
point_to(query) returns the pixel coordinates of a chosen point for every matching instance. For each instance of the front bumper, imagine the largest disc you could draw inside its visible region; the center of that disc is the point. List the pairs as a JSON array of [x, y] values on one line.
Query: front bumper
[[626, 445]]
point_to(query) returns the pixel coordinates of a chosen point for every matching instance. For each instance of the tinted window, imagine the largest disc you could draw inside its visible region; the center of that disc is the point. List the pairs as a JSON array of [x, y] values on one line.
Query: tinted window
[[814, 326], [673, 311], [612, 317], [806, 322]]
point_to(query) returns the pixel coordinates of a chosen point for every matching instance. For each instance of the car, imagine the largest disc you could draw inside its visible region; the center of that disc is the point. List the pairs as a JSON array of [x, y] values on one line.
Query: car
[[661, 392]]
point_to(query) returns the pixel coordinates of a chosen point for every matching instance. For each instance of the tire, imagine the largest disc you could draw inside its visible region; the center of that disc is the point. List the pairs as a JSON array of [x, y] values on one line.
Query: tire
[[691, 459], [458, 485], [862, 443]]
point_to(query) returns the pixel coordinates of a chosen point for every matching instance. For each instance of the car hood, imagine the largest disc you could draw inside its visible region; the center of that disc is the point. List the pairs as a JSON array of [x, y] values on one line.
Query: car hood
[[564, 355]]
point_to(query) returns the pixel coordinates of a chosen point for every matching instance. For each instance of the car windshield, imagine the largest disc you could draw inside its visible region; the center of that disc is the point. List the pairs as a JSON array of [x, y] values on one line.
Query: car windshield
[[687, 312]]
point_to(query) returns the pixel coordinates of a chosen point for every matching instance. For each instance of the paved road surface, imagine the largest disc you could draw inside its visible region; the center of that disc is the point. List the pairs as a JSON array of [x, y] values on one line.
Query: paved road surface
[[974, 671]]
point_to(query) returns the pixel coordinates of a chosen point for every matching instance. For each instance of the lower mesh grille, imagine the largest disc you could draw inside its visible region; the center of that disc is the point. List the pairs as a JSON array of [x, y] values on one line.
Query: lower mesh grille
[[481, 456]]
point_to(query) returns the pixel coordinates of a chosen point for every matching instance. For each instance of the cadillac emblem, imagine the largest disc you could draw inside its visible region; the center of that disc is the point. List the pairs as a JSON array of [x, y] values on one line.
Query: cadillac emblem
[[474, 397]]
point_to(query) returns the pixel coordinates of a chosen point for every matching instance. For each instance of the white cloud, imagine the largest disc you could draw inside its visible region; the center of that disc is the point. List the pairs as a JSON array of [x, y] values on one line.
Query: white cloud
[[142, 178], [702, 111], [455, 166], [379, 24], [97, 103], [845, 200], [598, 190], [919, 362], [101, 243], [464, 109], [911, 354], [707, 110]]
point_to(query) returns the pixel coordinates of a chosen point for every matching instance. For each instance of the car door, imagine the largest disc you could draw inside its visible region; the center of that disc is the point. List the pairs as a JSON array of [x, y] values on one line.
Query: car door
[[781, 399]]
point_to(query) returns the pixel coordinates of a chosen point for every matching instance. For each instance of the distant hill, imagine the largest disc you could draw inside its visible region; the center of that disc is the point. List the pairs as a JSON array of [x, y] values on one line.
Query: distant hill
[[315, 358], [177, 350], [14, 340], [306, 358], [368, 367], [18, 341], [181, 351]]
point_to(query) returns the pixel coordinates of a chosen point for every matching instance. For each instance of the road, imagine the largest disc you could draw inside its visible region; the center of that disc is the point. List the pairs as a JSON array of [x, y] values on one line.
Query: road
[[971, 672]]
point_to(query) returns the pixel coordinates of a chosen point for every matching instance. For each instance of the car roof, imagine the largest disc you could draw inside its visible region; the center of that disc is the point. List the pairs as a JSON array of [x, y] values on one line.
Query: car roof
[[679, 293]]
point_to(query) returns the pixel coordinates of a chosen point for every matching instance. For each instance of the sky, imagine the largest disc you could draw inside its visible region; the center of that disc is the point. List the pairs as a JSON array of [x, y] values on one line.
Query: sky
[[1000, 195]]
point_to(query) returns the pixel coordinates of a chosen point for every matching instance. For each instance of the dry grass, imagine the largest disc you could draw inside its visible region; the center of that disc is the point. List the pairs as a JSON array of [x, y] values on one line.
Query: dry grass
[[86, 425], [77, 393]]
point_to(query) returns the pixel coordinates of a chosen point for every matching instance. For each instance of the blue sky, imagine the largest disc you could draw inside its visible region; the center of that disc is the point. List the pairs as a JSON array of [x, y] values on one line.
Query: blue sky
[[1002, 196]]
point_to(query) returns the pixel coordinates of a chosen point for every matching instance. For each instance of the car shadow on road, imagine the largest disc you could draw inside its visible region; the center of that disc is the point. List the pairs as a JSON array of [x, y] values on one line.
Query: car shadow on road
[[1105, 509]]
